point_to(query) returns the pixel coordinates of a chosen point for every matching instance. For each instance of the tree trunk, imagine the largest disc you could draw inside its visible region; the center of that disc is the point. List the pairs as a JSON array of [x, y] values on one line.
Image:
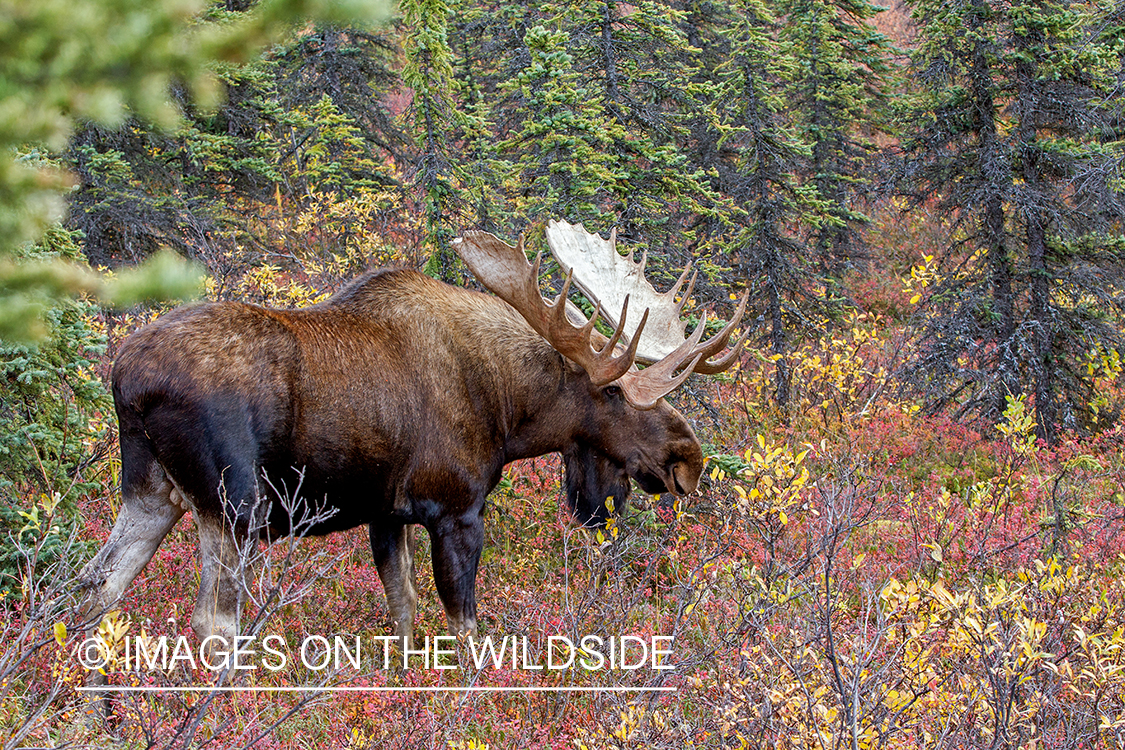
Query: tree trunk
[[1028, 98], [999, 262]]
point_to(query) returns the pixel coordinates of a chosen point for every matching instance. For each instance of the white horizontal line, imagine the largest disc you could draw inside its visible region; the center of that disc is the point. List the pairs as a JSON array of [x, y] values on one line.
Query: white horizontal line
[[372, 689]]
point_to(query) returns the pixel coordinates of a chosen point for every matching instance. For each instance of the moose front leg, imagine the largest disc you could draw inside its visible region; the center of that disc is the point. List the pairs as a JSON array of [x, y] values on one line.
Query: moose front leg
[[392, 546], [457, 543]]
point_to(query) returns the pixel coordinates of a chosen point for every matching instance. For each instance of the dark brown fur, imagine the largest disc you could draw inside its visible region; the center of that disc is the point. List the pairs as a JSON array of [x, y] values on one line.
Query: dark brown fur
[[400, 400]]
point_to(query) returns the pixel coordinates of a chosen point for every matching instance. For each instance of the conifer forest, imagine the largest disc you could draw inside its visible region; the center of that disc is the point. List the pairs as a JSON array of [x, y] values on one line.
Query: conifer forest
[[909, 530]]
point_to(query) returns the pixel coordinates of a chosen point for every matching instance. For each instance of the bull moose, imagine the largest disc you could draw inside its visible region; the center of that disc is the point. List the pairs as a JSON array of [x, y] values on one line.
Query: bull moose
[[400, 399]]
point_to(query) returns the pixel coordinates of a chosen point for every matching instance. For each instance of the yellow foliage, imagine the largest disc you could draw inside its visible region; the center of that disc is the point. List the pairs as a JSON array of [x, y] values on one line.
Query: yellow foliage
[[921, 278], [775, 477], [834, 379]]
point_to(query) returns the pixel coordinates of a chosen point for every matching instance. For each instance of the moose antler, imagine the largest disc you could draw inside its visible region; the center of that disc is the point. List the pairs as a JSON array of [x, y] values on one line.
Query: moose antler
[[606, 277], [504, 270]]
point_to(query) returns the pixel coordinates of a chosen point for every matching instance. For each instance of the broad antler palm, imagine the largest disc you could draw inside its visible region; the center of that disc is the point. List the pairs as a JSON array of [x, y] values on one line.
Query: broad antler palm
[[504, 269], [606, 277]]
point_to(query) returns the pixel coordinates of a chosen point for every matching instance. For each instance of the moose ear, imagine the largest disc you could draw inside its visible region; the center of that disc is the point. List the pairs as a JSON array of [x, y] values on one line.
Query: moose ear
[[590, 479]]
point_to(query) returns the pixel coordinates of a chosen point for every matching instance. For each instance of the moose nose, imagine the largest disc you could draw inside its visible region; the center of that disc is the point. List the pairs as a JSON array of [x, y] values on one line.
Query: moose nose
[[682, 480]]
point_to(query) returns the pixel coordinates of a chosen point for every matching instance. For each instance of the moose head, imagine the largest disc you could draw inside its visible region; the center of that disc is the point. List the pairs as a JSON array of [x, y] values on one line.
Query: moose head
[[637, 434]]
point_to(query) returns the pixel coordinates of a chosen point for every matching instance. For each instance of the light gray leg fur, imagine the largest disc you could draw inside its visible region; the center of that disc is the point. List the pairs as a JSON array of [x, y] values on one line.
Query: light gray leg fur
[[221, 587], [396, 571], [142, 523]]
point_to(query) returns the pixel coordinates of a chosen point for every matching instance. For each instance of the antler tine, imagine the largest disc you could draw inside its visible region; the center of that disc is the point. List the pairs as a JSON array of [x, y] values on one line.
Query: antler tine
[[606, 367], [504, 269], [631, 350], [605, 276], [646, 394], [620, 328], [532, 278], [644, 388], [561, 321], [711, 367], [559, 305], [680, 282], [716, 343]]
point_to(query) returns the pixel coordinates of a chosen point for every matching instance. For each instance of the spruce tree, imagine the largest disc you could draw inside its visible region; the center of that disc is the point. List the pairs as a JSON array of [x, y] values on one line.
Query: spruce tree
[[1012, 134], [756, 152], [200, 187], [58, 73], [52, 419], [588, 101], [355, 67], [561, 153], [481, 39], [635, 61], [429, 72], [838, 96]]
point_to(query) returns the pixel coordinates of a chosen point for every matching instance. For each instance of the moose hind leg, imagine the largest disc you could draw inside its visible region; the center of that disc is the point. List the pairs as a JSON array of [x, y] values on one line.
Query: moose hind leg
[[221, 587], [392, 546], [457, 543], [148, 512]]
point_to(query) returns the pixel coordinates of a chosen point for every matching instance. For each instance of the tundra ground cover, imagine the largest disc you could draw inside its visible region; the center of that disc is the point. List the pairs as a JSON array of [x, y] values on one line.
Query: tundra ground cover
[[852, 572]]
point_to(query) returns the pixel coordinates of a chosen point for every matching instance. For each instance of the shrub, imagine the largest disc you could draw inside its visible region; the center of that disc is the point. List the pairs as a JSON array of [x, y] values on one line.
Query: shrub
[[52, 416]]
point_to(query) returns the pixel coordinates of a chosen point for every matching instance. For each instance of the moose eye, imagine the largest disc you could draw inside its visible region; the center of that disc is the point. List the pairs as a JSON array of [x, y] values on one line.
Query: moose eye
[[612, 391]]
